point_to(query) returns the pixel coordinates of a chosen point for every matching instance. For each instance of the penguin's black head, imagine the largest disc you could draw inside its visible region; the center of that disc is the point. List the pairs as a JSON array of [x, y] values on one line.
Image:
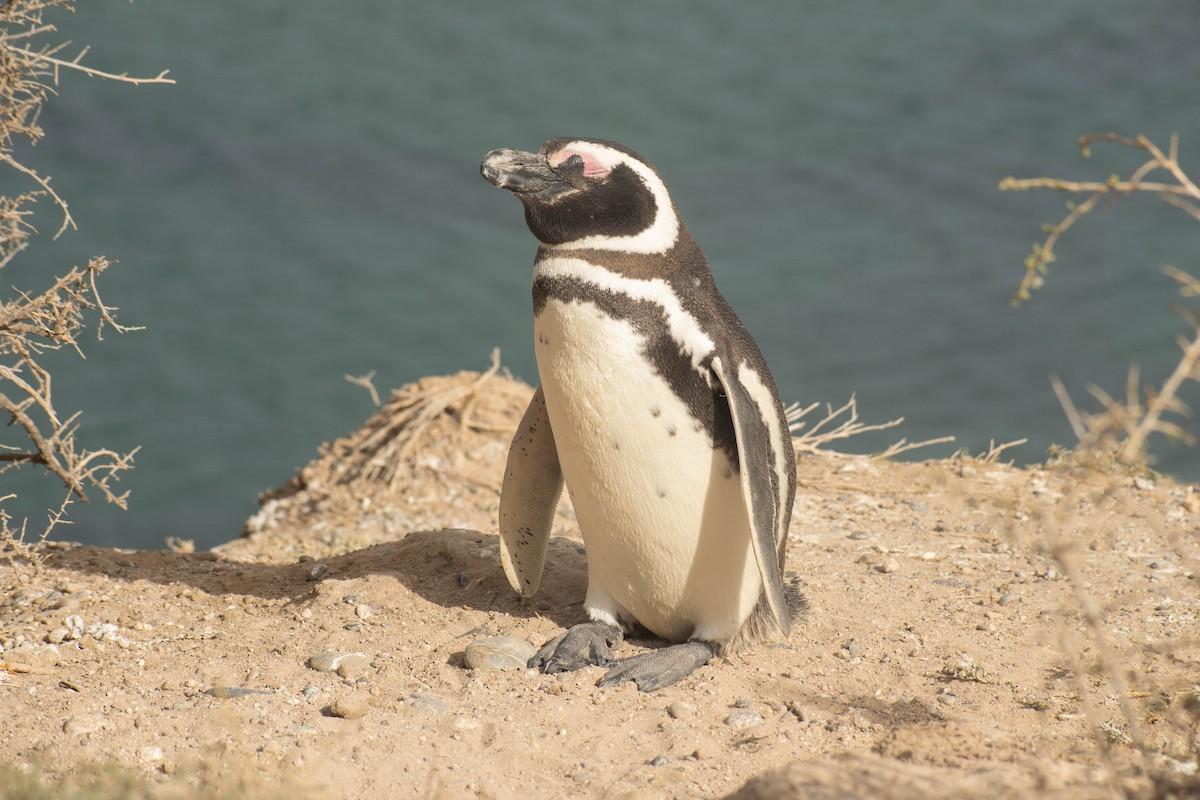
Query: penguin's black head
[[588, 193]]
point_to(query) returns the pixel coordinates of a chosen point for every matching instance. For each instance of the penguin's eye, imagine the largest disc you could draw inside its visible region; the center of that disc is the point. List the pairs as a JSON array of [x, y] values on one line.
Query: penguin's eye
[[575, 161]]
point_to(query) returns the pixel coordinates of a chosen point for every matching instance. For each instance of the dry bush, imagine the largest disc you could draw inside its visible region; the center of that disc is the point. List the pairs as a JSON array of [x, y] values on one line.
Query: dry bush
[[1110, 441], [33, 323], [1121, 428]]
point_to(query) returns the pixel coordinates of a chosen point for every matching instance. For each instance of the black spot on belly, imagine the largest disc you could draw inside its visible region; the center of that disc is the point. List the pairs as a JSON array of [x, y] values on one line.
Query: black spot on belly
[[671, 430], [694, 384], [662, 492], [616, 445]]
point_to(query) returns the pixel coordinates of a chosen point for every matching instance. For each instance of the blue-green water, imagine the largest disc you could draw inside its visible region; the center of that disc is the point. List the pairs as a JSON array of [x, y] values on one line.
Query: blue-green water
[[305, 203]]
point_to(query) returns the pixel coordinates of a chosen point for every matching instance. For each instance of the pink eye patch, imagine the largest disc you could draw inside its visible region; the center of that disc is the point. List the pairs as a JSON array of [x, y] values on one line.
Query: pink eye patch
[[591, 167]]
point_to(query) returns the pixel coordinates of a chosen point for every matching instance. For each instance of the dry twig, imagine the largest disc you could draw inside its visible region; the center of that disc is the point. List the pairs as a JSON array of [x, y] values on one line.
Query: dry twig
[[842, 423], [1180, 192], [1124, 426]]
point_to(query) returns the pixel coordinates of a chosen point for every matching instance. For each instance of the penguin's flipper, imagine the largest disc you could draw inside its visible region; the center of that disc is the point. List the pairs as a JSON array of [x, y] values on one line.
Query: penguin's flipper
[[760, 432], [533, 483]]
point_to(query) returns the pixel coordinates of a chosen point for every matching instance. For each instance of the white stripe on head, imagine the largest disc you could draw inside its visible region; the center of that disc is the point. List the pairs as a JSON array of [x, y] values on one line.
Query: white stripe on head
[[660, 236], [684, 328]]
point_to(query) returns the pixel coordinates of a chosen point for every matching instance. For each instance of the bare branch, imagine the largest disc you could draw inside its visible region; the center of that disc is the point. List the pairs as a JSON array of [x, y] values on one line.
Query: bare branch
[[45, 57], [1180, 193]]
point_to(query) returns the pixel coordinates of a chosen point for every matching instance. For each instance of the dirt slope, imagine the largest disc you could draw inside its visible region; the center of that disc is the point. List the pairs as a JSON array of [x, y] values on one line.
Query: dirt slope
[[953, 605]]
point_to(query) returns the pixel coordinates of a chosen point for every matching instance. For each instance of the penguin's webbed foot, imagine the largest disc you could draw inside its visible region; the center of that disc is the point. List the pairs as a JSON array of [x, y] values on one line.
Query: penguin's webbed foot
[[653, 671], [584, 645]]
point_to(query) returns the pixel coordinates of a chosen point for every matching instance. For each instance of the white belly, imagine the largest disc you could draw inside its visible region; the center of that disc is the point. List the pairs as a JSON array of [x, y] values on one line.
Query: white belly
[[661, 511]]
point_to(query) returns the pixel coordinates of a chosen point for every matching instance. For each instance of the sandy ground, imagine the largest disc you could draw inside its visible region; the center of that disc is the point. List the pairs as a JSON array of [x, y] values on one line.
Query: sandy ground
[[975, 630]]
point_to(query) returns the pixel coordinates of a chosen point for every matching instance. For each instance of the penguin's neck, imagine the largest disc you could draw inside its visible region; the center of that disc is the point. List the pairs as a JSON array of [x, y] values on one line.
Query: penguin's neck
[[683, 262]]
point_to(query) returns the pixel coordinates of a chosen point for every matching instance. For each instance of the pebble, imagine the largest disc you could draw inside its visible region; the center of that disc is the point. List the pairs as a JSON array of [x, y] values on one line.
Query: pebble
[[75, 624], [798, 710], [331, 660], [431, 705], [353, 669], [316, 572], [659, 761], [680, 710], [150, 753], [498, 653], [363, 611], [741, 702], [1005, 599], [230, 692], [350, 706], [58, 635], [310, 692], [78, 726], [741, 720], [889, 566]]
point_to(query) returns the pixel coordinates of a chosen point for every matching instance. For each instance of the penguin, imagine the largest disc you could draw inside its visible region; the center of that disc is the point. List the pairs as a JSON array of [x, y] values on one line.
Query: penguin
[[657, 411]]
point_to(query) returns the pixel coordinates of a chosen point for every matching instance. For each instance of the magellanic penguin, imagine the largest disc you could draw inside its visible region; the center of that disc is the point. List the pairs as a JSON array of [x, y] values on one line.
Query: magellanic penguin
[[658, 411]]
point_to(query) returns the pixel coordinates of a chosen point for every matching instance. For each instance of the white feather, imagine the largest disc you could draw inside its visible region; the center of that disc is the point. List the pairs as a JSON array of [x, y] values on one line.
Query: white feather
[[661, 510]]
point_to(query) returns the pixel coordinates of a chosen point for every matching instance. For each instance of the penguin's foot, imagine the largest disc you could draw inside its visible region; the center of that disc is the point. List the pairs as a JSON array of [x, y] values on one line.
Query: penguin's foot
[[584, 645], [653, 671]]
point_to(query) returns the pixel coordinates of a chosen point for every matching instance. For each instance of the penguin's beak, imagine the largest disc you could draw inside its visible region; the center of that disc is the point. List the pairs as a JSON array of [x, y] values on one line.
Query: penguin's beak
[[519, 172]]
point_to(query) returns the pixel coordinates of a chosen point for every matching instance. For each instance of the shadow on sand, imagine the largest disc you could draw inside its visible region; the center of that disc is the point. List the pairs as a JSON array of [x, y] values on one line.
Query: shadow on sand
[[453, 567]]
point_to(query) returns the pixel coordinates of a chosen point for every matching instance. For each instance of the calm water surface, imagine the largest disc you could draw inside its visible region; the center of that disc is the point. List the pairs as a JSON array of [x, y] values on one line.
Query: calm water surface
[[305, 203]]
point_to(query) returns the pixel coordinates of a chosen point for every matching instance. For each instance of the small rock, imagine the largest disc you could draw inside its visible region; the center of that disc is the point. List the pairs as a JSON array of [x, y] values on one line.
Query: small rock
[[986, 627], [78, 726], [431, 705], [316, 572], [148, 754], [798, 710], [498, 653], [741, 702], [740, 720], [659, 761], [889, 566], [351, 706], [231, 692], [58, 635], [74, 624], [363, 611], [310, 692], [1005, 599], [353, 669], [1143, 484], [702, 752], [330, 660], [680, 710]]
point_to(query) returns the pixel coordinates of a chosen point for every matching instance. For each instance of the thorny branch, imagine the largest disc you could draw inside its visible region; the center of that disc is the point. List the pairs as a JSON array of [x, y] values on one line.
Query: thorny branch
[[1182, 193], [33, 323], [1123, 427]]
